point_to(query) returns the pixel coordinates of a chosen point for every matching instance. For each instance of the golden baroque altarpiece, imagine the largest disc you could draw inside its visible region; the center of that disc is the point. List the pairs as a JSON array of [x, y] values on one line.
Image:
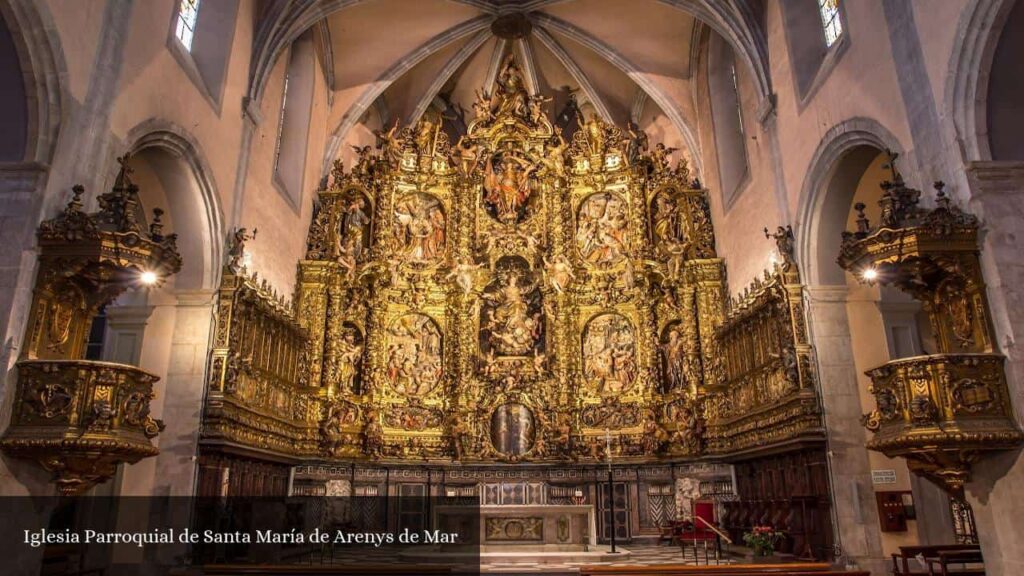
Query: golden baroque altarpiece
[[512, 297]]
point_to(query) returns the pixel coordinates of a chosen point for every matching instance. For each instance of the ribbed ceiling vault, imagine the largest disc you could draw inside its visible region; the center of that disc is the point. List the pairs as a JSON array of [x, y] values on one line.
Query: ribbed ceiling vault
[[624, 60]]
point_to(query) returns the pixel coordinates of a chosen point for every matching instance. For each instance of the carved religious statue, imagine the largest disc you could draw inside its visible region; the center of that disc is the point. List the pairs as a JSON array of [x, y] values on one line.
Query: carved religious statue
[[420, 227], [354, 235], [609, 353], [511, 98], [512, 329], [414, 355], [507, 186], [506, 291], [673, 352], [350, 357], [601, 229]]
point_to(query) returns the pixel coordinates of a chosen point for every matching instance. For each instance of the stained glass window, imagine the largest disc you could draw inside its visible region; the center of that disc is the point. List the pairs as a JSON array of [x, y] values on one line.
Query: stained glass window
[[280, 123], [736, 92], [185, 29], [830, 20]]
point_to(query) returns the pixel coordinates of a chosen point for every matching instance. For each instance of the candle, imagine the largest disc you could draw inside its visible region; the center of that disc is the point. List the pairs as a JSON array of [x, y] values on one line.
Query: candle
[[608, 443]]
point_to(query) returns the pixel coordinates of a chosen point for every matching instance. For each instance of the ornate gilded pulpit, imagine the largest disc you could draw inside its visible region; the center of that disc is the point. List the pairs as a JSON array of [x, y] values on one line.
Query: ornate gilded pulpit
[[81, 418], [945, 410]]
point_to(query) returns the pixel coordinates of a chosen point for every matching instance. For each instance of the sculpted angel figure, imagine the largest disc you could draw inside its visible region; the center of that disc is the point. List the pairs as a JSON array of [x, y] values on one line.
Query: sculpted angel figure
[[482, 105], [537, 107], [677, 255], [558, 273], [388, 143], [660, 156], [236, 247], [532, 242], [464, 274], [364, 161], [347, 259], [507, 186]]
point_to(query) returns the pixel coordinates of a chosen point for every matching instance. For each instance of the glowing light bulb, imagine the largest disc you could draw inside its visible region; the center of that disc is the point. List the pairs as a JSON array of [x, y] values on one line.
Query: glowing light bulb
[[148, 278], [870, 274]]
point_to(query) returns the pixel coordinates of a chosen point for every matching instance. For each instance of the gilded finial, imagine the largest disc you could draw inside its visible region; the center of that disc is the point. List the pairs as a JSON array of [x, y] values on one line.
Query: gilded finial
[[863, 225], [156, 227], [75, 204], [941, 200]]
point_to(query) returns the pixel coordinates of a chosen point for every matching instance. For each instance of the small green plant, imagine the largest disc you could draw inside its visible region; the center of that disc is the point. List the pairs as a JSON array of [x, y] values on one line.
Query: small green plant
[[762, 539]]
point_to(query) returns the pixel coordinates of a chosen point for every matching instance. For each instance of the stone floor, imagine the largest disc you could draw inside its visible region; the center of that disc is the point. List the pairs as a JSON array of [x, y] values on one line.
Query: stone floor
[[639, 554]]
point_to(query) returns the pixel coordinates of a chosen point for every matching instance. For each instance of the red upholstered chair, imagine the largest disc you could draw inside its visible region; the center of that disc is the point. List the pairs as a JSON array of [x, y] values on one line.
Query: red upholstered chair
[[699, 530]]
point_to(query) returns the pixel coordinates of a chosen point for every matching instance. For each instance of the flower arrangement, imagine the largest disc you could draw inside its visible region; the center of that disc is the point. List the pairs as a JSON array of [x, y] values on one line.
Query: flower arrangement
[[762, 539]]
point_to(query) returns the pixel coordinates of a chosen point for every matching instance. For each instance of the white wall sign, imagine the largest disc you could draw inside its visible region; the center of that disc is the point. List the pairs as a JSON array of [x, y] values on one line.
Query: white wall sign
[[883, 476]]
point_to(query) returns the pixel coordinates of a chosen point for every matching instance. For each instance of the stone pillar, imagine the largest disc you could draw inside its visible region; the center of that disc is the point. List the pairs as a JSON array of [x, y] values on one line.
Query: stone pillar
[[21, 186], [934, 517], [126, 327], [855, 513], [182, 393], [997, 198]]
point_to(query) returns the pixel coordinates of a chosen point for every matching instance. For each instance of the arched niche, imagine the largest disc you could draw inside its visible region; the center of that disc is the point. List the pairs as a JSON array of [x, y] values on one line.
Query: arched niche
[[602, 228], [1005, 110], [857, 326], [415, 355], [165, 329], [826, 197], [32, 70], [987, 34], [166, 183], [13, 101], [609, 353]]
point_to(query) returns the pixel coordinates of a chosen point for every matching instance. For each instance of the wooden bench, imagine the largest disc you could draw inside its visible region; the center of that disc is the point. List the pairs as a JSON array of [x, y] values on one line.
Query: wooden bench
[[941, 565], [794, 569], [901, 562], [67, 560]]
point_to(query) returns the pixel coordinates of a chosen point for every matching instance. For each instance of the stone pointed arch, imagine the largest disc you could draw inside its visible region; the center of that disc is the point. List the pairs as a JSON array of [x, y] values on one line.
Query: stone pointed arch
[[577, 74], [179, 143], [44, 69], [815, 230], [733, 19], [395, 71], [736, 22], [453, 64]]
